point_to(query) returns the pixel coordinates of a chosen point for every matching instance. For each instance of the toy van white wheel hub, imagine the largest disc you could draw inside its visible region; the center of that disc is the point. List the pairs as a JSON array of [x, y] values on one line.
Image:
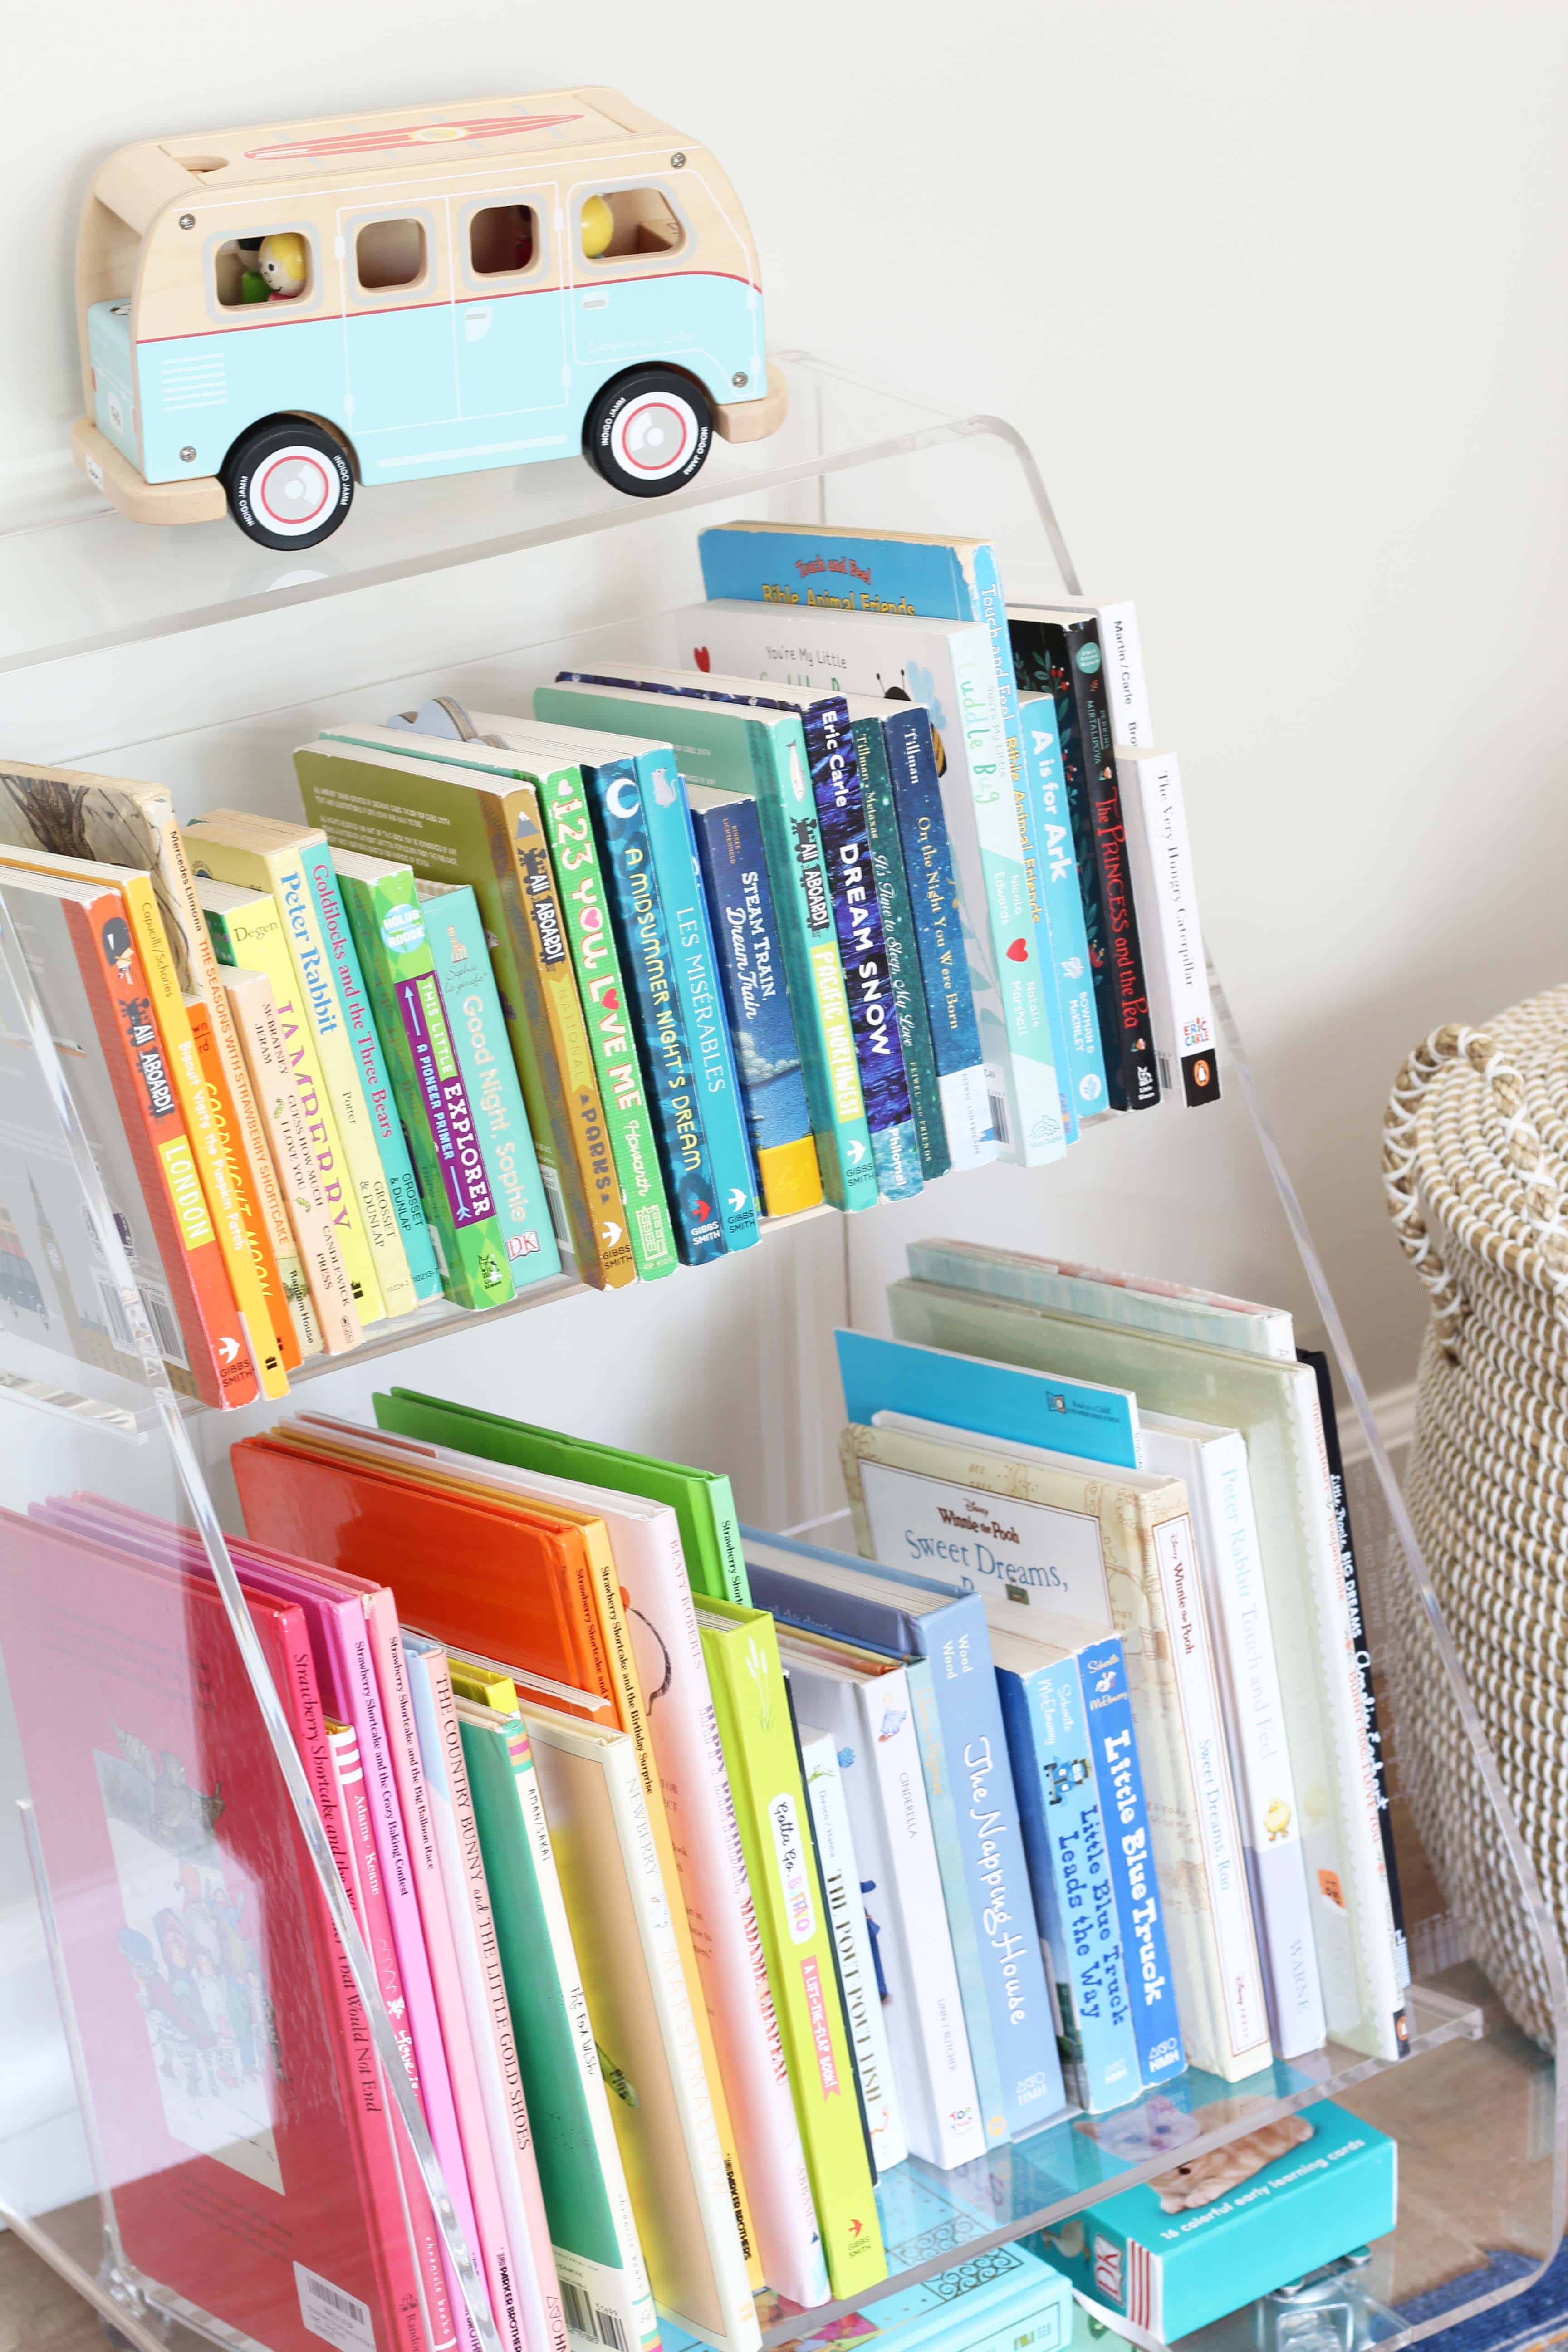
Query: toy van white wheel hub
[[294, 491], [655, 435]]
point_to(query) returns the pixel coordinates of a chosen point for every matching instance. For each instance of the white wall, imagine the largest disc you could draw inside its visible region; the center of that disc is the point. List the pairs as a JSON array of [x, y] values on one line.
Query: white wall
[[1277, 294]]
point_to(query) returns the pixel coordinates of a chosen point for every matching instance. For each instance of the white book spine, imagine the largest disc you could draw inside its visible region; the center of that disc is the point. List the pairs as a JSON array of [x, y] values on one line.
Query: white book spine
[[576, 2270], [1122, 661], [1165, 893], [852, 1939], [1351, 1914], [1233, 1978], [1265, 1786], [677, 2028]]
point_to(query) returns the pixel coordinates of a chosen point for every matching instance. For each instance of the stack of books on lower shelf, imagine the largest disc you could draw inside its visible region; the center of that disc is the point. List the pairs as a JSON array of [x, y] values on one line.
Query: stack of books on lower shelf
[[880, 880], [754, 1918]]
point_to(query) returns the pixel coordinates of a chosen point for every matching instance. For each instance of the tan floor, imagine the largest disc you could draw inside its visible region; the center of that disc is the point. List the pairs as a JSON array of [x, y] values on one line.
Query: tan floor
[[38, 2310]]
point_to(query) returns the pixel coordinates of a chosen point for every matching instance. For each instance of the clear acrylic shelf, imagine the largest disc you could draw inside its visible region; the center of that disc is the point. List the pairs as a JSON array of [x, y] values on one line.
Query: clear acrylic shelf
[[729, 1366]]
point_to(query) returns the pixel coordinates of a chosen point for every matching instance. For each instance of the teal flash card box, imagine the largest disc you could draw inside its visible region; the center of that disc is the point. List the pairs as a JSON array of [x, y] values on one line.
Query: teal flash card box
[[1216, 2232]]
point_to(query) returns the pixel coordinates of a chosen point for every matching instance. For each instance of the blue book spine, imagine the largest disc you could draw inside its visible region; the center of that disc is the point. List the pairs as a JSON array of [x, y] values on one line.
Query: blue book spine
[[957, 1650], [932, 881], [691, 935], [458, 948], [392, 1146], [751, 970], [837, 788], [642, 936], [1064, 1843], [1066, 943], [942, 1798], [1119, 1776]]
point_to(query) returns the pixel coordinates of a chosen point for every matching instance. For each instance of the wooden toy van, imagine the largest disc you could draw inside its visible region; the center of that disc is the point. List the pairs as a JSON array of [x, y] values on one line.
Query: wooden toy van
[[271, 316]]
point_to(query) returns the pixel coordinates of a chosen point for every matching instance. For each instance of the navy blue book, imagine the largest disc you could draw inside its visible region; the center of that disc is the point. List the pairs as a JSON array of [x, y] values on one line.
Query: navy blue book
[[637, 920], [756, 997]]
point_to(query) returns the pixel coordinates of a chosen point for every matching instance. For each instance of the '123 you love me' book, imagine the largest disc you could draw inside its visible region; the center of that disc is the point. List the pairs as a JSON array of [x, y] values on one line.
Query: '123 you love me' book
[[224, 2056]]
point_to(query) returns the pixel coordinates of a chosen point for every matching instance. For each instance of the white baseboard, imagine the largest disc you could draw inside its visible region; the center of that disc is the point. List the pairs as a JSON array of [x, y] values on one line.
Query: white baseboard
[[1394, 1414]]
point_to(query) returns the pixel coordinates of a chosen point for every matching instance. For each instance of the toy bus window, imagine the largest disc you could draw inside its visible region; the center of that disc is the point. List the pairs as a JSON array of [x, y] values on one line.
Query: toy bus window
[[389, 253], [627, 222], [277, 268], [503, 238]]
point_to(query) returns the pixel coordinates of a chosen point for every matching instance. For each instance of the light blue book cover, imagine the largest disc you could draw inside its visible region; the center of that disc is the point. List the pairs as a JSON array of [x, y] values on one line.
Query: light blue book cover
[[1082, 1069], [456, 934], [1005, 1401], [989, 1903], [390, 1144], [1006, 2299], [1064, 1840], [1140, 1903], [673, 845]]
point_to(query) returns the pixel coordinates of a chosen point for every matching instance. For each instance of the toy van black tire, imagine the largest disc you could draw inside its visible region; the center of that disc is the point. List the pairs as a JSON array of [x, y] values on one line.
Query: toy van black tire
[[289, 483], [649, 433]]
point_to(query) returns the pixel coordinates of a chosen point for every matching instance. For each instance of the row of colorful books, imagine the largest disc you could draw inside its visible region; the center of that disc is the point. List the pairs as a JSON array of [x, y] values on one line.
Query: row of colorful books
[[710, 1874], [601, 985]]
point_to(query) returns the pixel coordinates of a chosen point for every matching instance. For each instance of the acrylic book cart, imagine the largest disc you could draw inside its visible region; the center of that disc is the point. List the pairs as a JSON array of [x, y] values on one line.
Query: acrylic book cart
[[199, 660]]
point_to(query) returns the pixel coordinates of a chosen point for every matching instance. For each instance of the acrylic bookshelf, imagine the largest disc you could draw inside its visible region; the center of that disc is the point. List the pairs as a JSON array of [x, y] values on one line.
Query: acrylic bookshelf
[[115, 631]]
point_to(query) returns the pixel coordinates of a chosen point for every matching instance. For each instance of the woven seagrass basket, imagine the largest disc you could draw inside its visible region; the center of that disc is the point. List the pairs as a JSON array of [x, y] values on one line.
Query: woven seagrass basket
[[1476, 1172]]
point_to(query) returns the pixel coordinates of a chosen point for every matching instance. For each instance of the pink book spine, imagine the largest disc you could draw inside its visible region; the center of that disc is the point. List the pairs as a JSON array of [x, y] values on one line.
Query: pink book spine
[[362, 1693], [376, 1926], [500, 2042], [507, 2284]]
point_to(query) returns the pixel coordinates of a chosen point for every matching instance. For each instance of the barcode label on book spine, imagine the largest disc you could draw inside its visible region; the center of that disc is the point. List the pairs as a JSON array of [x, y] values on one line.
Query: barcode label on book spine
[[331, 2312], [165, 1326], [998, 1104], [589, 2323]]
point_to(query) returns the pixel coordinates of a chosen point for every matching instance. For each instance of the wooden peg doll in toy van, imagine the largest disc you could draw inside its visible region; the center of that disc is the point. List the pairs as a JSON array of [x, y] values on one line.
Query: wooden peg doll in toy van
[[270, 317]]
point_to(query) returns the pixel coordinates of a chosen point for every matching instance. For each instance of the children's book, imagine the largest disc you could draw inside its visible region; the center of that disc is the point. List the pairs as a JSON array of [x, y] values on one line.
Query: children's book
[[1121, 666], [1135, 1532], [1186, 1040], [1212, 1464], [763, 753], [126, 823], [824, 1786], [950, 666], [1275, 1406], [752, 971], [1009, 1402], [703, 1504], [1212, 2234], [1065, 1838], [866, 1705], [1082, 1071], [649, 2052], [482, 827], [384, 915], [75, 943], [753, 1709], [252, 2173], [1007, 2300], [1169, 1310], [964, 1754], [460, 955]]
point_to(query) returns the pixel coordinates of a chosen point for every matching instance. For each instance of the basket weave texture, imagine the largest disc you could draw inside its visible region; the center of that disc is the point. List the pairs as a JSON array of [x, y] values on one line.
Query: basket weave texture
[[1476, 1172]]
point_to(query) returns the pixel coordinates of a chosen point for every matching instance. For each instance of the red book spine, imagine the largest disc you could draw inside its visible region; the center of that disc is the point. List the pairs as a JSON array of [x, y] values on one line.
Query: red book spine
[[375, 1927], [171, 1185]]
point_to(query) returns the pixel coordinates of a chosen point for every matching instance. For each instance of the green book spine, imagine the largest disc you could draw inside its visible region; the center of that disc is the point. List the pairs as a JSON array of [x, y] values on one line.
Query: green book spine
[[758, 1738], [432, 1100], [580, 886], [903, 951], [597, 2258], [703, 1504], [472, 1003]]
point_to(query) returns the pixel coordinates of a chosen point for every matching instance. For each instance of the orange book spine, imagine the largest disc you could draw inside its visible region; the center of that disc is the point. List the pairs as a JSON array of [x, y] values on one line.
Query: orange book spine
[[171, 1183], [243, 1191]]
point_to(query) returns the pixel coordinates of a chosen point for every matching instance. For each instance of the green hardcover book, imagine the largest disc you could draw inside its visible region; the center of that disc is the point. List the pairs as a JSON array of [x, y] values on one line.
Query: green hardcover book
[[762, 754], [903, 951], [750, 1699], [704, 1506], [606, 1010], [385, 916], [598, 2261], [451, 823], [478, 1027]]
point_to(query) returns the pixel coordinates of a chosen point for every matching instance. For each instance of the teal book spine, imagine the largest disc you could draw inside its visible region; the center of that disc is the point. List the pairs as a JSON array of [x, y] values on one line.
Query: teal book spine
[[904, 978], [437, 1120], [369, 1055], [1081, 1065], [468, 983]]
